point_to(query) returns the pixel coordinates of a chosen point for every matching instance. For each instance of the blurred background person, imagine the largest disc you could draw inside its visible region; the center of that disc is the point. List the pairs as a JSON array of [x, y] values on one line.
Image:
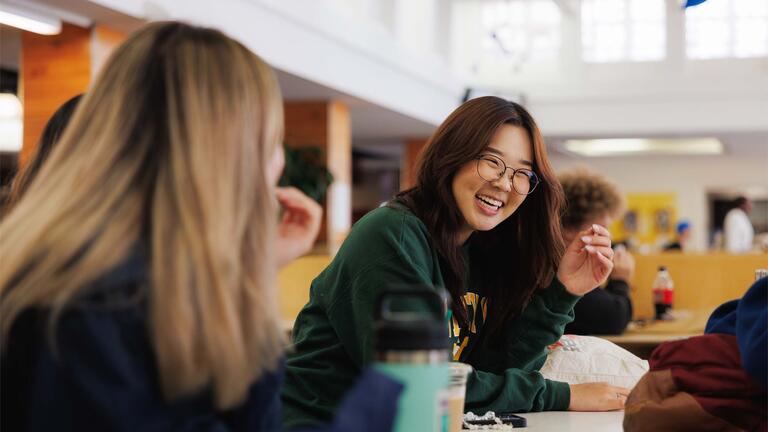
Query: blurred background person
[[593, 199], [51, 134], [683, 236], [737, 228]]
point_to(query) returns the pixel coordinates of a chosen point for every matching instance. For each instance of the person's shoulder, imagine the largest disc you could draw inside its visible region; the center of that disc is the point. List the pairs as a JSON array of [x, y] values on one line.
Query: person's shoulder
[[389, 221], [755, 297], [736, 213], [120, 287], [387, 232]]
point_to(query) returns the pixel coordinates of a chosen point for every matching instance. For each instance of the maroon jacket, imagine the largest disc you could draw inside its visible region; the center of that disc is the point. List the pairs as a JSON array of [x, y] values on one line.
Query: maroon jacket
[[697, 384]]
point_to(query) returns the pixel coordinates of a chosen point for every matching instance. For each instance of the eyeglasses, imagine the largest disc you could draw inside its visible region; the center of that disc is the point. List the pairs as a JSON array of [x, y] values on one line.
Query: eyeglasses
[[491, 168]]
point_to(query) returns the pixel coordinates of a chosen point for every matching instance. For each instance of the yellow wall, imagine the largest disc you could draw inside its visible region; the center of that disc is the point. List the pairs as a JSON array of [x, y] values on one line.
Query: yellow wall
[[650, 218], [294, 281]]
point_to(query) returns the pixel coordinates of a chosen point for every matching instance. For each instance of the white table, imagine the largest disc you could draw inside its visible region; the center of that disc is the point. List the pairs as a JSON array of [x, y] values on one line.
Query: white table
[[566, 421]]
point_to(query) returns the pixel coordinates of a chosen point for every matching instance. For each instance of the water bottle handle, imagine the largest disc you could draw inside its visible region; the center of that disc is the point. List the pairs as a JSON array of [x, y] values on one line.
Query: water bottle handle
[[431, 297]]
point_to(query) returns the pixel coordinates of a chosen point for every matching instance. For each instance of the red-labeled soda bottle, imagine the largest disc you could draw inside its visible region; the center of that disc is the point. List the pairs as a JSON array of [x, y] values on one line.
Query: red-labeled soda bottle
[[663, 294]]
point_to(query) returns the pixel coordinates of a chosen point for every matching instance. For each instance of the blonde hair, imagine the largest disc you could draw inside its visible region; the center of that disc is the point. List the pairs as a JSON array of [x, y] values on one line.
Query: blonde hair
[[169, 146], [589, 195]]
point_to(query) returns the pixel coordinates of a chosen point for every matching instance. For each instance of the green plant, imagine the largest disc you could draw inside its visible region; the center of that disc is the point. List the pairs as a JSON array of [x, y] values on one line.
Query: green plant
[[305, 170]]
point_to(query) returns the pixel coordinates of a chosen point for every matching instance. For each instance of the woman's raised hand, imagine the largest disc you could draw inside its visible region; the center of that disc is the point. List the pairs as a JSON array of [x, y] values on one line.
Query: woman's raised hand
[[299, 224], [587, 261]]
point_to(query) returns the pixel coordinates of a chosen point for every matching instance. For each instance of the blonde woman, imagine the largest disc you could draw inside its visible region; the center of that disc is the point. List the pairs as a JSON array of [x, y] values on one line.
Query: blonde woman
[[138, 271]]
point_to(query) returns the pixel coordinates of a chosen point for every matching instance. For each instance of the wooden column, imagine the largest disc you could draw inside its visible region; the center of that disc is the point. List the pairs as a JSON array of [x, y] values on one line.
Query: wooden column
[[56, 68], [327, 125], [411, 152], [53, 69], [104, 40]]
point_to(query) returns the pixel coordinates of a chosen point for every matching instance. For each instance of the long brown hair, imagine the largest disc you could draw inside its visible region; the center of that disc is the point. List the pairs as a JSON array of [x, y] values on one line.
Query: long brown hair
[[519, 255], [170, 146]]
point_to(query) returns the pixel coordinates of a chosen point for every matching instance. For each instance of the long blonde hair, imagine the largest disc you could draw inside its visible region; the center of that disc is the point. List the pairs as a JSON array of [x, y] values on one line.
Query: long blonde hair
[[169, 146]]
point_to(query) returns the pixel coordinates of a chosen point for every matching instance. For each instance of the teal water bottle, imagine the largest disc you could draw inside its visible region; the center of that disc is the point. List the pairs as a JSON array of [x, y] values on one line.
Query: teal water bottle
[[412, 348]]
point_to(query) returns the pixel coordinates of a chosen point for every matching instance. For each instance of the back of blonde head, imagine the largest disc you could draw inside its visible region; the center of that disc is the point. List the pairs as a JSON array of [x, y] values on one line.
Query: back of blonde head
[[169, 146]]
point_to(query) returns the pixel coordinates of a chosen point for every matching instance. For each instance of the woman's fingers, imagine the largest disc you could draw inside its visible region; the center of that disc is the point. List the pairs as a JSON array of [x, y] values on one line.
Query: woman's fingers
[[596, 235], [293, 202], [602, 263], [605, 262], [596, 240], [602, 250], [299, 224], [600, 230], [606, 251]]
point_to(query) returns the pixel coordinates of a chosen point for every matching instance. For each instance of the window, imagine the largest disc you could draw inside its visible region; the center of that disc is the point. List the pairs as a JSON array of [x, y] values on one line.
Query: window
[[623, 30], [727, 28], [521, 31]]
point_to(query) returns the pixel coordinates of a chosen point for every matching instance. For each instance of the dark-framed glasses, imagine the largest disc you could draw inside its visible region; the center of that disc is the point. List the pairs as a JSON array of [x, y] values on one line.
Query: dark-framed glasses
[[491, 168]]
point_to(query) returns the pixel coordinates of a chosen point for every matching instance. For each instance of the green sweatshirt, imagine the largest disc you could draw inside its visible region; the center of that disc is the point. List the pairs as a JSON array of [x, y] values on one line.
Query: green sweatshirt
[[333, 333]]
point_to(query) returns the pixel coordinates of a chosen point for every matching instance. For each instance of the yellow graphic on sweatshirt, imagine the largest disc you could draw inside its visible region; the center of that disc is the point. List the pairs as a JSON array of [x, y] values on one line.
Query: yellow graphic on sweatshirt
[[460, 337]]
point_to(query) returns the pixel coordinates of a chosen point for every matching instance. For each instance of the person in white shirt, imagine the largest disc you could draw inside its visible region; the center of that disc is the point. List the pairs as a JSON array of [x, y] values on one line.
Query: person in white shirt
[[739, 232]]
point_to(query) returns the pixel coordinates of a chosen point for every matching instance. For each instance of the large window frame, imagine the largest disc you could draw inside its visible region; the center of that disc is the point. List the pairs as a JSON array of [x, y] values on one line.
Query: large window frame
[[623, 31], [727, 29]]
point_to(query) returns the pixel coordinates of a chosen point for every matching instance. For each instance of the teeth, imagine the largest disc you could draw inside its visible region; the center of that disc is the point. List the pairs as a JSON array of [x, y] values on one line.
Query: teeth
[[490, 201]]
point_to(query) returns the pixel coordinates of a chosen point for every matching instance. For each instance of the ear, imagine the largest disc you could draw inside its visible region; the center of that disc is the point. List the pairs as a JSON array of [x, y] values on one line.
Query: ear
[[275, 165]]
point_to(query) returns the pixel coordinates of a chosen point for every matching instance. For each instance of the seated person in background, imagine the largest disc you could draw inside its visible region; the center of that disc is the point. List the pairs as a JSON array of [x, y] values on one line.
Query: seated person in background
[[53, 131], [591, 199], [747, 319], [683, 236], [51, 134]]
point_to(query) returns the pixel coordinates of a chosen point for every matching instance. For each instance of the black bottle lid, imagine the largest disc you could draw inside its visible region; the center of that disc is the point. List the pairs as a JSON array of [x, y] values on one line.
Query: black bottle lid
[[419, 328]]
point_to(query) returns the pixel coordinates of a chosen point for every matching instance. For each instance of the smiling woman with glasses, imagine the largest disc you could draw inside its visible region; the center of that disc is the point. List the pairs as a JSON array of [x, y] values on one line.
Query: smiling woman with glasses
[[483, 222]]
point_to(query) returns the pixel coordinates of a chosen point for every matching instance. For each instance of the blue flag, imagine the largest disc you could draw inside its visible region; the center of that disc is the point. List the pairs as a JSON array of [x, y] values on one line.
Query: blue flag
[[689, 3]]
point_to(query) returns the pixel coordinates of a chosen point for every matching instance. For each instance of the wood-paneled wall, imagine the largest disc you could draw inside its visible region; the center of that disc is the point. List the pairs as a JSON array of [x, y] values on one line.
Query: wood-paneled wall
[[56, 68], [53, 69], [701, 280]]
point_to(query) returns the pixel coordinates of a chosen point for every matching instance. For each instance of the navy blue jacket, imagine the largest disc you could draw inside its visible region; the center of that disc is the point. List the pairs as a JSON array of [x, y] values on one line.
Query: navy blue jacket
[[100, 374], [747, 319]]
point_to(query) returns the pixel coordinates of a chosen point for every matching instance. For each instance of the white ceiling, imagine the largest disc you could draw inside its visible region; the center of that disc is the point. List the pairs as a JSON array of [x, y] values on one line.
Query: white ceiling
[[369, 121]]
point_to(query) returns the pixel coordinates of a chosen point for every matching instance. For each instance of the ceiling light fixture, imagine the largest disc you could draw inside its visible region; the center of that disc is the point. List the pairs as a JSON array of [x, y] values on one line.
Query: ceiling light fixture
[[29, 20], [643, 146]]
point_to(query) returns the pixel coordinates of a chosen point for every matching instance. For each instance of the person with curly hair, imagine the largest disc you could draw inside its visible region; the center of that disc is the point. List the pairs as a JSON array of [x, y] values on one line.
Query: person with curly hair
[[593, 199]]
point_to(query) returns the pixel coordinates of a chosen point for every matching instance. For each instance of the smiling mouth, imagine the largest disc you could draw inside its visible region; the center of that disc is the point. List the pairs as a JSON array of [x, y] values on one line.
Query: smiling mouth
[[491, 202]]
